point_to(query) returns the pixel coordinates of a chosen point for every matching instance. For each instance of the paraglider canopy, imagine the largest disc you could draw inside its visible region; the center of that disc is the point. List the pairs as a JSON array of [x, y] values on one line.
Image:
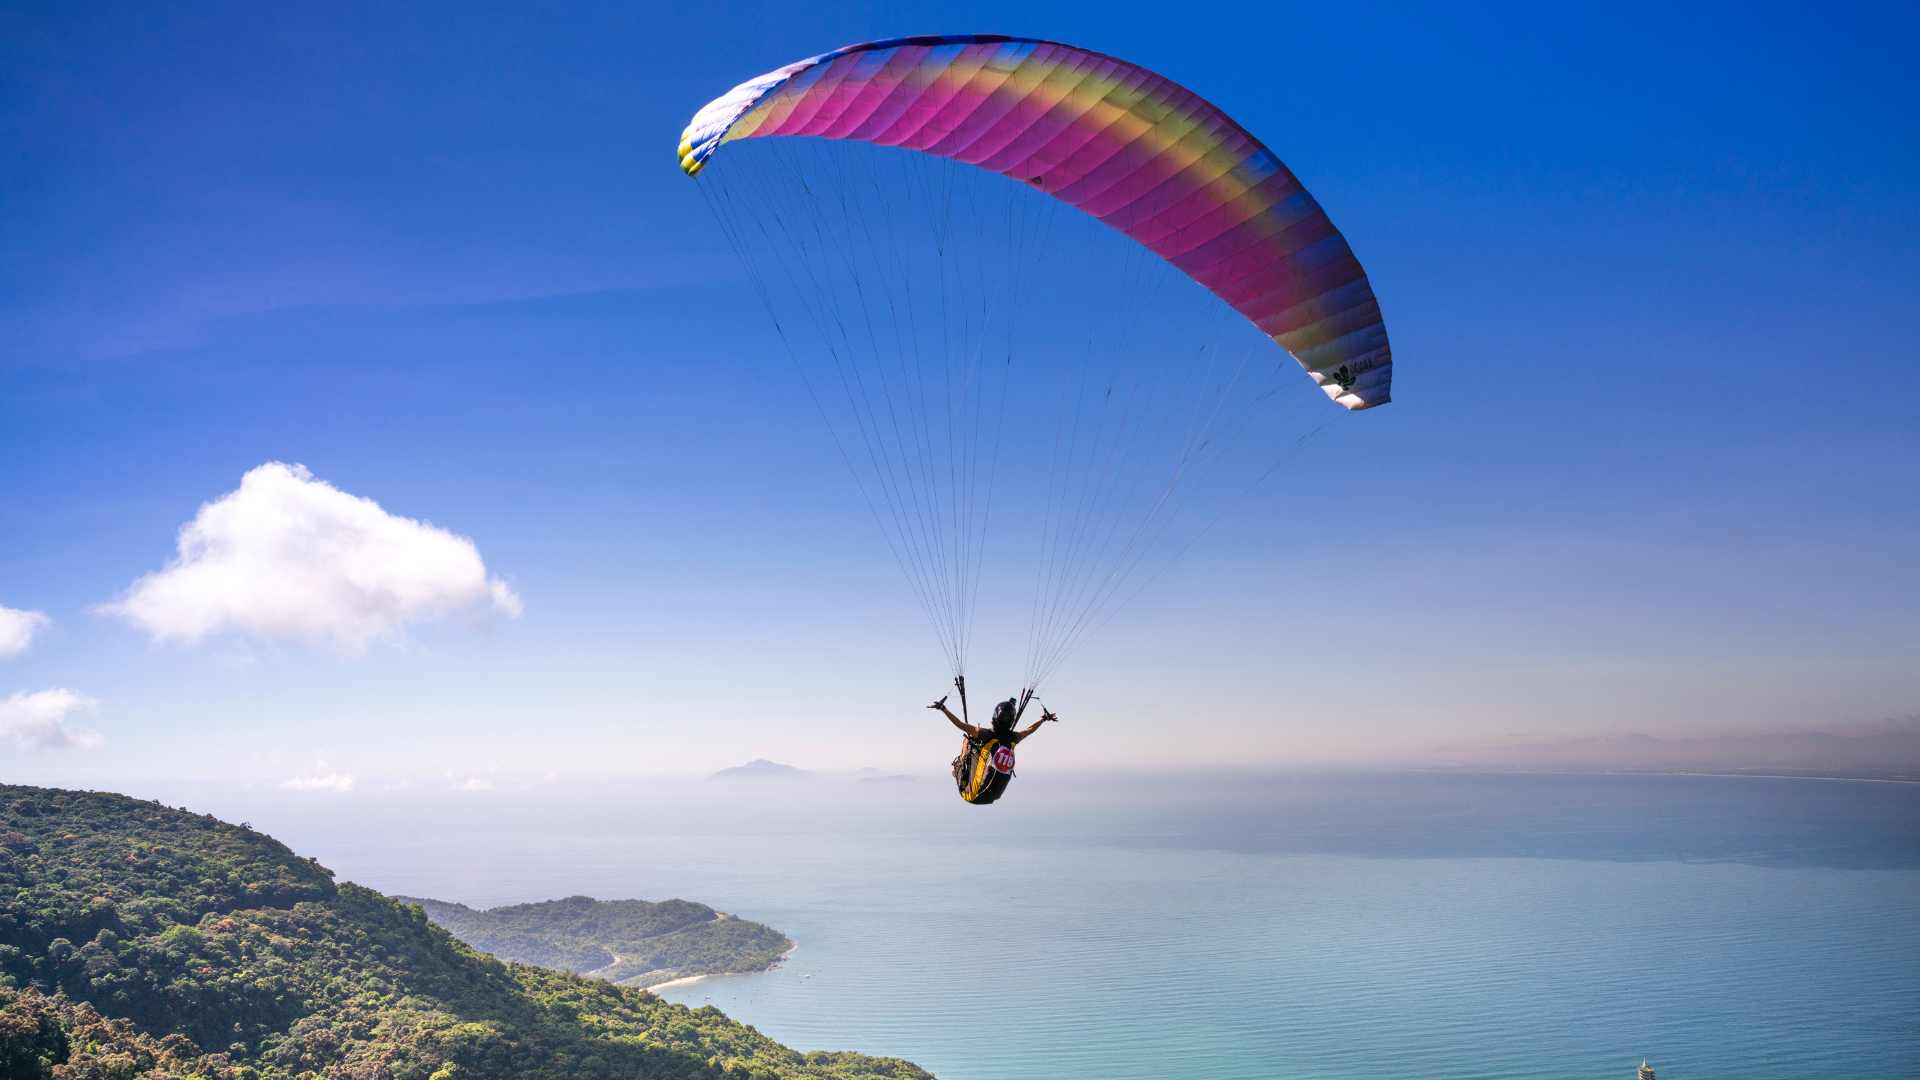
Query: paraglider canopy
[[1132, 148]]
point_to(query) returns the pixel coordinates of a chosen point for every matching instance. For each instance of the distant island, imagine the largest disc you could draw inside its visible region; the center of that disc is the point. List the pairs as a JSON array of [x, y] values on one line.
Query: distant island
[[140, 941], [761, 769], [632, 942]]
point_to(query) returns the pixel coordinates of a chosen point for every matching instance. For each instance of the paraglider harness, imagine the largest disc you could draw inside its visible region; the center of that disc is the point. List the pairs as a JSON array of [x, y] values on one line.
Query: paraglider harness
[[985, 767]]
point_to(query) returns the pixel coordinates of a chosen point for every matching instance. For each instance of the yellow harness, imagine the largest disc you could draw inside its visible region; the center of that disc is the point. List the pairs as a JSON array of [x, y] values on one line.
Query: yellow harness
[[984, 771]]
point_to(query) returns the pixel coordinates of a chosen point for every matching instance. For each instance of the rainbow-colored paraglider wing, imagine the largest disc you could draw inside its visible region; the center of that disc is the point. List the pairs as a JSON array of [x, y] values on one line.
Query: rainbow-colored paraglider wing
[[1131, 148]]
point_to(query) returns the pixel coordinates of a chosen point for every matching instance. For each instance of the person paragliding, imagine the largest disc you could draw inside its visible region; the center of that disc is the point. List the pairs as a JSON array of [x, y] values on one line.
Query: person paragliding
[[875, 214], [984, 767]]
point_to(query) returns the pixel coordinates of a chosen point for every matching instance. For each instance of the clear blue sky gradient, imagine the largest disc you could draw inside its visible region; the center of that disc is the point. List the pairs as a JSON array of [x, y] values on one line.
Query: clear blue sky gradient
[[1652, 465]]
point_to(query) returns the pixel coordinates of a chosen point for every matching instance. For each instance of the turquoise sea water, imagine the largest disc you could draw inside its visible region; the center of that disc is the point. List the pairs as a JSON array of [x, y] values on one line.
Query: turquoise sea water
[[1288, 926]]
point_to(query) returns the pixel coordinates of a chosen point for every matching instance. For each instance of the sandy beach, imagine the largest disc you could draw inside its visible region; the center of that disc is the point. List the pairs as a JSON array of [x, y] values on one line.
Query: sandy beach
[[689, 980]]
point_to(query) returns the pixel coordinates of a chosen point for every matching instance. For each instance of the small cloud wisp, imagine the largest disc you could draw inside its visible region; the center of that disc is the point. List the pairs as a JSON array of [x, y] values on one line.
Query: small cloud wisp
[[17, 629], [38, 721], [321, 779]]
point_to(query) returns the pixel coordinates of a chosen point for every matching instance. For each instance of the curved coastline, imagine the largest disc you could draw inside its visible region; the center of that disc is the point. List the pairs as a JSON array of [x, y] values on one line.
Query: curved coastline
[[689, 980]]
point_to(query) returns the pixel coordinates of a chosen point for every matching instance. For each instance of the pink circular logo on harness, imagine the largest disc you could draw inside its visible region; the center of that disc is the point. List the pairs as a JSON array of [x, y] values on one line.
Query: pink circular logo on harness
[[1003, 759]]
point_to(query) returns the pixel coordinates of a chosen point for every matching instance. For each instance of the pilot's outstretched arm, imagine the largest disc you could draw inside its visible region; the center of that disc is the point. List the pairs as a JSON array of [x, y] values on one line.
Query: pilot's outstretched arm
[[967, 729], [1044, 717]]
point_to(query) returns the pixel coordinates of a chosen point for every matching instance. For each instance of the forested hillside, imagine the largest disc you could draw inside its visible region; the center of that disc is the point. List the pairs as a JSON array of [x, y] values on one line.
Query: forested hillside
[[630, 941], [142, 941]]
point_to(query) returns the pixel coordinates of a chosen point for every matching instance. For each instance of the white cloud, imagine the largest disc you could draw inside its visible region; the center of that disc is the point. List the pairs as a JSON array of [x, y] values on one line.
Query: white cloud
[[321, 778], [469, 783], [291, 556], [38, 721], [17, 629]]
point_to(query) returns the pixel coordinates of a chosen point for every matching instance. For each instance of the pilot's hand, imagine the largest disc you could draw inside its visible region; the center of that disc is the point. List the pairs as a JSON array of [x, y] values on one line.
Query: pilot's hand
[[941, 704], [1047, 714]]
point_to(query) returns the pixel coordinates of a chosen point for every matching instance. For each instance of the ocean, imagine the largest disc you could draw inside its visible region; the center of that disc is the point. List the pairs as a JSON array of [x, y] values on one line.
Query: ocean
[[1236, 926]]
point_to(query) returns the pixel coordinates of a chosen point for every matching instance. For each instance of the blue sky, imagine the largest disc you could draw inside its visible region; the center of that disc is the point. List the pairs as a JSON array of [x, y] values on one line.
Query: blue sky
[[1651, 465]]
